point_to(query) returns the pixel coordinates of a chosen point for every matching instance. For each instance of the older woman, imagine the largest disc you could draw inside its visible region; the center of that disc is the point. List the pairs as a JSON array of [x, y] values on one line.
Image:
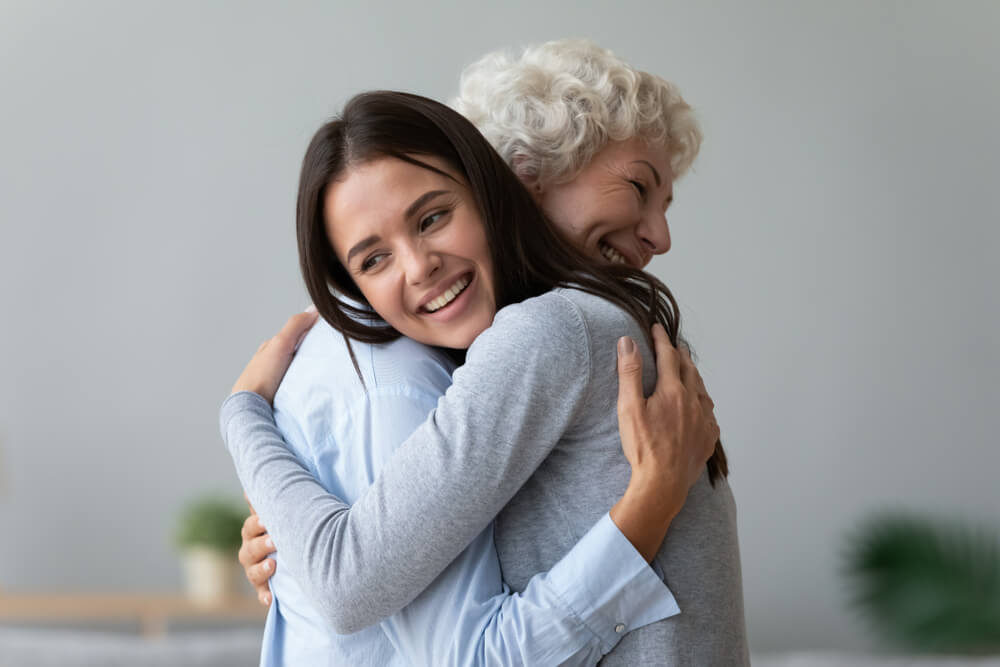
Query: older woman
[[600, 145]]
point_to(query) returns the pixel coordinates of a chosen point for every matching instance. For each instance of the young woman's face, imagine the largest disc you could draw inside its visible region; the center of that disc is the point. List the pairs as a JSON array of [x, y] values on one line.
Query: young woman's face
[[414, 243], [615, 209]]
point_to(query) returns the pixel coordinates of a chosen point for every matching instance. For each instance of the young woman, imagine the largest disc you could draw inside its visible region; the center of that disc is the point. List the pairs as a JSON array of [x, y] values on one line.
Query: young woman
[[538, 415]]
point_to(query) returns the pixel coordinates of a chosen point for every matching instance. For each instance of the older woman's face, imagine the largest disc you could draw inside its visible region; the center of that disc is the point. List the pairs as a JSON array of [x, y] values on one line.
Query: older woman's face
[[615, 209]]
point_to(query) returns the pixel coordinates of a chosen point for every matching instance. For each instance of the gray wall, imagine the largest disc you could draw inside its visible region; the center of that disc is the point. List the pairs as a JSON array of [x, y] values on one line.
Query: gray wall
[[833, 252]]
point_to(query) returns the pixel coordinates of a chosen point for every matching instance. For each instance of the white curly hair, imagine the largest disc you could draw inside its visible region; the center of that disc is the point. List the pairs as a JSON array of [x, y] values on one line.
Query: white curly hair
[[549, 110]]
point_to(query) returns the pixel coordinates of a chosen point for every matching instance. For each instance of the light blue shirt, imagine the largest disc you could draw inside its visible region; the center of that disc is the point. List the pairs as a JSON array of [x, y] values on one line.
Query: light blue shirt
[[342, 432]]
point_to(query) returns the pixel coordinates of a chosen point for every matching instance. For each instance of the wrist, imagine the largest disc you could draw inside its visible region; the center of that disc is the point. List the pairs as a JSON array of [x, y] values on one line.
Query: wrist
[[657, 492]]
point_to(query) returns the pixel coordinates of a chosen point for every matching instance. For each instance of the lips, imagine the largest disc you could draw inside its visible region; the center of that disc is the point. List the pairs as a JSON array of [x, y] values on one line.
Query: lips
[[448, 295]]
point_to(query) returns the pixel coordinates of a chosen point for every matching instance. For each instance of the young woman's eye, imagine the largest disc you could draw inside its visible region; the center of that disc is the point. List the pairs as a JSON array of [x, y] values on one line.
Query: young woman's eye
[[431, 219], [370, 263]]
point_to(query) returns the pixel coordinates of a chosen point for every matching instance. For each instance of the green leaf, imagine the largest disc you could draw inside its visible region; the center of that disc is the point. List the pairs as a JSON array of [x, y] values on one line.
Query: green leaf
[[211, 522], [927, 587]]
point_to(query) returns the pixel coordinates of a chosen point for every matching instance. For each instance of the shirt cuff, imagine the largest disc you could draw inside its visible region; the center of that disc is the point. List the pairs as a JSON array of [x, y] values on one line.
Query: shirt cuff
[[610, 586]]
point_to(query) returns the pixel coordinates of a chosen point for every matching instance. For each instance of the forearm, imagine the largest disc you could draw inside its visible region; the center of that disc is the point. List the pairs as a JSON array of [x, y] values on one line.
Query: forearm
[[505, 411], [300, 514], [363, 563], [646, 510], [573, 614]]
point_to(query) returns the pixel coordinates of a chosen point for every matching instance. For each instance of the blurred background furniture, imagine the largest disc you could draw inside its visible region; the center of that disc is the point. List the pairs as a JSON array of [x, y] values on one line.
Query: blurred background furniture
[[151, 614]]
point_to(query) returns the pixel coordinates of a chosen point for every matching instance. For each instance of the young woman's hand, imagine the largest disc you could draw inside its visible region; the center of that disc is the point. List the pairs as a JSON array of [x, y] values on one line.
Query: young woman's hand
[[256, 546], [667, 438], [264, 372]]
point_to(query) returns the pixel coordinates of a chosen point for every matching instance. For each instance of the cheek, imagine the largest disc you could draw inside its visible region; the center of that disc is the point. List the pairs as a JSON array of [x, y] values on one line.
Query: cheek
[[382, 297], [622, 212]]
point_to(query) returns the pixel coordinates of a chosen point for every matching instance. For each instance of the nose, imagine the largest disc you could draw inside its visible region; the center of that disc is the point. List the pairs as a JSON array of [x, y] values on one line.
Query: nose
[[420, 263], [654, 233]]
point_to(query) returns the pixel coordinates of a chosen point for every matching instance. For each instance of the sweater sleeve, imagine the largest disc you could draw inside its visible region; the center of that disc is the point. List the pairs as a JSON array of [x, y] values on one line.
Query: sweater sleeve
[[517, 394]]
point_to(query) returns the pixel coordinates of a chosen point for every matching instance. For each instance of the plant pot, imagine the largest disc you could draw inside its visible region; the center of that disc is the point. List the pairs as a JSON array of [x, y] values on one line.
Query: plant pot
[[209, 575]]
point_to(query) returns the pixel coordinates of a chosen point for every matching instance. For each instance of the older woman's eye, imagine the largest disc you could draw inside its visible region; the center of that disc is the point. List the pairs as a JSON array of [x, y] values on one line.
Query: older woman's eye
[[639, 188], [431, 219]]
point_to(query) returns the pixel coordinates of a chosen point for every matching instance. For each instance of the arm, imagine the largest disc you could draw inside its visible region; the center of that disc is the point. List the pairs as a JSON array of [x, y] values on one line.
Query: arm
[[573, 614], [644, 423], [294, 477], [468, 617], [441, 487]]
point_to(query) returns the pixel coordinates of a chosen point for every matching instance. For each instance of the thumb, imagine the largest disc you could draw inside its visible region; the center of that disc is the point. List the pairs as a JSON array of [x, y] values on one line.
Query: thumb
[[629, 375]]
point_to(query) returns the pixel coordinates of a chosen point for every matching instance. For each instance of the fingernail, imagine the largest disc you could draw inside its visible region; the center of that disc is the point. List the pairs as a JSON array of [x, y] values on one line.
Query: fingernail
[[267, 598], [625, 345], [267, 565], [311, 308], [269, 543]]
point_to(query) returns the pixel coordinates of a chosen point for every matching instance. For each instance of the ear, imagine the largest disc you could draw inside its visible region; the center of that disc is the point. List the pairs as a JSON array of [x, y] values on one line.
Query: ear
[[527, 177]]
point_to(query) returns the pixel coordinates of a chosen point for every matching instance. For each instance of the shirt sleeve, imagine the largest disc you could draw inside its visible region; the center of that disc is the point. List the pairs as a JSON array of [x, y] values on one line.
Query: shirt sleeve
[[572, 615], [523, 381]]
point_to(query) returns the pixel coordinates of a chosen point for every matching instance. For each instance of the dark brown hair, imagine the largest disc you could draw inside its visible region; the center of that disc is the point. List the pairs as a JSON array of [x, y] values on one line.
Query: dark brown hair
[[529, 257]]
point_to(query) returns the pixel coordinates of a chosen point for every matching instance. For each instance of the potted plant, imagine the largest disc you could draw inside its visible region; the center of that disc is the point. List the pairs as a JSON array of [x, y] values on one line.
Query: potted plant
[[208, 536], [926, 586]]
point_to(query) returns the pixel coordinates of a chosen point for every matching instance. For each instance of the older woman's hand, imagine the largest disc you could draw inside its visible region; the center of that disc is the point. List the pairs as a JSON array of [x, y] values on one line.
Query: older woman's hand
[[674, 430], [264, 372], [667, 438]]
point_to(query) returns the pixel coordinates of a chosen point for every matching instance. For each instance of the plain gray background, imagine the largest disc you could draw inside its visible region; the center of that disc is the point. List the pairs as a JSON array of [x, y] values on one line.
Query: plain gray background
[[834, 255]]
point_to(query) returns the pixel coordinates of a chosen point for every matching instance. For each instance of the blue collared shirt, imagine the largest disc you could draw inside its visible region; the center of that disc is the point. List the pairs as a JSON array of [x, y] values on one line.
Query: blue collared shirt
[[342, 432]]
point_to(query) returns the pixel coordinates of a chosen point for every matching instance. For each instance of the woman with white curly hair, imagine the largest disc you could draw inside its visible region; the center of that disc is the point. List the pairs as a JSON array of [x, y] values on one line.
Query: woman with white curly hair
[[582, 128], [599, 145]]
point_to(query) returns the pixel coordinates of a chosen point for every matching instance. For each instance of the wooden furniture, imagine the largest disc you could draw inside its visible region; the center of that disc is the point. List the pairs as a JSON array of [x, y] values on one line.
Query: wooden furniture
[[152, 612]]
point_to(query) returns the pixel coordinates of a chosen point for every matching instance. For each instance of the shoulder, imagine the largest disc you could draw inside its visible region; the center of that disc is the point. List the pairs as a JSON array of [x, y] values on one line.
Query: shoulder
[[549, 315], [541, 334], [599, 315], [565, 314], [323, 365]]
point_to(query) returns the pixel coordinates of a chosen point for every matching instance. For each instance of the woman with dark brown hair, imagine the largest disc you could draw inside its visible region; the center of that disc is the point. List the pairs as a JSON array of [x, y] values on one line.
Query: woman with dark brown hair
[[531, 412]]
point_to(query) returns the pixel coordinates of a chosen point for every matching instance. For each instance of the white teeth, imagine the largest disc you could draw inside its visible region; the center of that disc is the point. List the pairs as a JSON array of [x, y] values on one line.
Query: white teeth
[[448, 296], [611, 254]]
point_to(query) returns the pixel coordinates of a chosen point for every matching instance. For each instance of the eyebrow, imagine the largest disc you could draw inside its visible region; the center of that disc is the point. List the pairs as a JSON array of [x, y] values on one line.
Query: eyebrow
[[656, 174], [411, 210]]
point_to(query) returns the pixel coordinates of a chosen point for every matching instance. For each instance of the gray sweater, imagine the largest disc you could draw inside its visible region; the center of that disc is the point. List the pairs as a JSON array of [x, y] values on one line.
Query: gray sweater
[[527, 429]]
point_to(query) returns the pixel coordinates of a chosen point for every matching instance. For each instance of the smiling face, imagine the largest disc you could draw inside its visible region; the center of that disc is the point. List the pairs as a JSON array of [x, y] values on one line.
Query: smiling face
[[615, 209], [414, 243]]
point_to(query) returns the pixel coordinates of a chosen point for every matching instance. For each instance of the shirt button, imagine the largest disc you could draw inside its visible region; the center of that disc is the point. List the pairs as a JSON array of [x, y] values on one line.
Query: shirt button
[[620, 628]]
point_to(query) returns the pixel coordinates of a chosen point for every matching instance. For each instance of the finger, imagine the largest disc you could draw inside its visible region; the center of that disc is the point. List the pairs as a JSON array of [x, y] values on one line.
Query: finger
[[689, 374], [295, 329], [259, 574], [263, 595], [667, 358], [707, 407], [249, 504], [252, 527], [258, 548], [630, 393], [694, 381]]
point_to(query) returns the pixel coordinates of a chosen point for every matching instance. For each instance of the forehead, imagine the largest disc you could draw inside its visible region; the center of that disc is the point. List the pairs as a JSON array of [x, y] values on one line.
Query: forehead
[[377, 193]]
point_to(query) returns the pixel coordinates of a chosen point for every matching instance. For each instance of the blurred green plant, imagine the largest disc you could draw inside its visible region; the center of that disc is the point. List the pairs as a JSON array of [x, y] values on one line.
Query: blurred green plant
[[211, 522], [925, 586]]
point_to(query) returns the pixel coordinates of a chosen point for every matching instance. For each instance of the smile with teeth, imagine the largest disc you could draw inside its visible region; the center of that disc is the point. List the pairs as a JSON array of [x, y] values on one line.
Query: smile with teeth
[[610, 253], [449, 295]]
